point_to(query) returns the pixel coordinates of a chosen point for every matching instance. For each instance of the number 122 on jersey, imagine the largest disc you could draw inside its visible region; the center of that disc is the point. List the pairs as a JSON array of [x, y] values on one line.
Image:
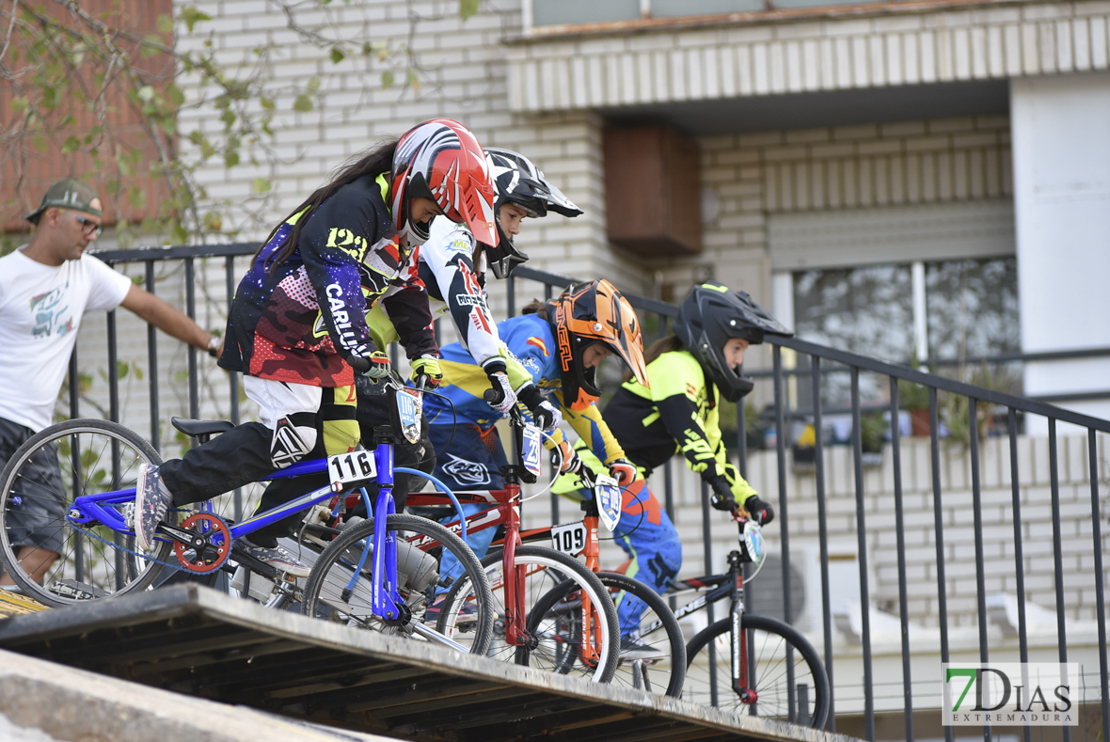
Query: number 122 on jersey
[[354, 466]]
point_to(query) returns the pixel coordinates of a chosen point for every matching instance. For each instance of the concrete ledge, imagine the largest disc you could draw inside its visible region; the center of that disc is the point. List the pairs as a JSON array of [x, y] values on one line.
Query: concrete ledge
[[42, 700]]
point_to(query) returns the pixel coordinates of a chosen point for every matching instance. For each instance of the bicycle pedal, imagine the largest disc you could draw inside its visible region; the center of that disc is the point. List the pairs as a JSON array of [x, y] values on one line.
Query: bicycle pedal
[[74, 590]]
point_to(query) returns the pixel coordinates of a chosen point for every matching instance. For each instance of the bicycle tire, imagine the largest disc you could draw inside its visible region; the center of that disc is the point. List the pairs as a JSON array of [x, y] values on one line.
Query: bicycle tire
[[657, 628], [333, 569], [546, 571], [769, 640], [85, 570]]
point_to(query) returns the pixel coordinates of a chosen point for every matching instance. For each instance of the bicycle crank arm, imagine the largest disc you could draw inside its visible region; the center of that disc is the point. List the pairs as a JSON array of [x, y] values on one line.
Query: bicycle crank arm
[[434, 636], [182, 536]]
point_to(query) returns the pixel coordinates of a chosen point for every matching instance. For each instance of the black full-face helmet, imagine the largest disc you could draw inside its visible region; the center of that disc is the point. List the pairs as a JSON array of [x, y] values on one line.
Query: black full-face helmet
[[519, 182], [712, 314]]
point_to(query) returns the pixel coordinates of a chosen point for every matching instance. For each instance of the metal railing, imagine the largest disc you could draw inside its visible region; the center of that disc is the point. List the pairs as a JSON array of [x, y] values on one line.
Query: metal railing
[[822, 361]]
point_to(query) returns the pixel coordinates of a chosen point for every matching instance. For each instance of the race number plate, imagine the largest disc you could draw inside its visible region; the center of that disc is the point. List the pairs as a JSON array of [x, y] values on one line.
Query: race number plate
[[751, 540], [409, 404], [608, 496], [345, 468], [569, 539], [532, 449]]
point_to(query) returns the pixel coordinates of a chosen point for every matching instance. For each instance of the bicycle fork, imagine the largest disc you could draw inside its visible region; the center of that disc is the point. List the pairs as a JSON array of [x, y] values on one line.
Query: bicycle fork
[[591, 634], [739, 642], [516, 632], [386, 599]]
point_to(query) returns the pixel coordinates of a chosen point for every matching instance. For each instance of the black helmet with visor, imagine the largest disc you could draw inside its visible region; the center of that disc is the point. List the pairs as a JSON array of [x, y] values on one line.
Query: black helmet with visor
[[708, 318], [519, 182]]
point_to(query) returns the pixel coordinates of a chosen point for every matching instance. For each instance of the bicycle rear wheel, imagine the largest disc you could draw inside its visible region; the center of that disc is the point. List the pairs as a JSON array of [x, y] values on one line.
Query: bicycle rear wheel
[[420, 547], [784, 671], [653, 651], [37, 489], [553, 586]]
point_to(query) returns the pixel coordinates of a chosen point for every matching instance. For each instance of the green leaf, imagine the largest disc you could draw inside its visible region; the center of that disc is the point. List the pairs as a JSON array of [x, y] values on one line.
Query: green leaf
[[136, 197], [303, 103], [191, 16], [122, 369], [206, 149], [387, 79], [261, 185], [39, 141], [146, 93], [231, 159], [179, 235], [337, 55], [174, 95], [19, 105], [468, 8], [72, 144], [267, 103], [151, 46], [165, 24], [313, 84]]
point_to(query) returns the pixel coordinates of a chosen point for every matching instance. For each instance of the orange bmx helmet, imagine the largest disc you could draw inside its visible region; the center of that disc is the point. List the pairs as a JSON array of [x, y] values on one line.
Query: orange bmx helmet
[[589, 313], [441, 160]]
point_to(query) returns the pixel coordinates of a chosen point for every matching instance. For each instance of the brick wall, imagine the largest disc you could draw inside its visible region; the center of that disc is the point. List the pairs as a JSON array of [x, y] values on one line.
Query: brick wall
[[33, 162]]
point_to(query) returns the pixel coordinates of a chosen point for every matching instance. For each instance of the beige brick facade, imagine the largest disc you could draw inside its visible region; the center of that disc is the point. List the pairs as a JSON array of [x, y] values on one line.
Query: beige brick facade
[[897, 46]]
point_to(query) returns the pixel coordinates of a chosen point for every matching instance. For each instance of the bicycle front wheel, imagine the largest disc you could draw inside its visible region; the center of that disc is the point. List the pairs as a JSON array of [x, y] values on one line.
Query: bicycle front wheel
[[37, 491], [421, 544], [561, 640], [784, 671], [653, 650]]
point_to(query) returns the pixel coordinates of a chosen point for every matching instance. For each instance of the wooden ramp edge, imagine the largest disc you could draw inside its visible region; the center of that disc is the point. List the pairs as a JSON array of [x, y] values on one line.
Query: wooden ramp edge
[[194, 640]]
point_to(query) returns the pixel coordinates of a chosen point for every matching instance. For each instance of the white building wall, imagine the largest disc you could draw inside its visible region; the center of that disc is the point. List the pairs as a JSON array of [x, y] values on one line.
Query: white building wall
[[825, 52], [1062, 197]]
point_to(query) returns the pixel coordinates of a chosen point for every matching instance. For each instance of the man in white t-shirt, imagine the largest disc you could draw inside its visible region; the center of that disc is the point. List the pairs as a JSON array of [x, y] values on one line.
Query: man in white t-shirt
[[45, 288]]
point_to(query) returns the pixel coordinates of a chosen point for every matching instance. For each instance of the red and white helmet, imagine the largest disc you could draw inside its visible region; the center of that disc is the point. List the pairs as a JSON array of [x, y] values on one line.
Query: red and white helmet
[[441, 160]]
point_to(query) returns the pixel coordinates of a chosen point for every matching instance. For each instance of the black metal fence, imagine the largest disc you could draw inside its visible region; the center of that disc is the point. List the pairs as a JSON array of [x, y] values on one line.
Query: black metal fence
[[1085, 571]]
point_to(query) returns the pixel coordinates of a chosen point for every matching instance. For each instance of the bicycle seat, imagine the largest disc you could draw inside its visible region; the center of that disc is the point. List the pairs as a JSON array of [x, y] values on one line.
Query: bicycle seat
[[198, 428]]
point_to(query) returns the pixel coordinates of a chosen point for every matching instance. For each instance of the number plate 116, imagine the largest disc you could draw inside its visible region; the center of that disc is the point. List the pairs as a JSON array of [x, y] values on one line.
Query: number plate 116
[[354, 466]]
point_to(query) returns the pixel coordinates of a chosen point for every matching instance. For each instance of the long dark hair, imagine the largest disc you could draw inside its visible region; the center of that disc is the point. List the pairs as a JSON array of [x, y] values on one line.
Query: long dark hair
[[667, 344], [536, 307], [372, 162]]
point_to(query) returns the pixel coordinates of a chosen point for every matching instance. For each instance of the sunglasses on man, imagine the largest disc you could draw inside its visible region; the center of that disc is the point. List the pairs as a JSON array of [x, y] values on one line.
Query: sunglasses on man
[[89, 227]]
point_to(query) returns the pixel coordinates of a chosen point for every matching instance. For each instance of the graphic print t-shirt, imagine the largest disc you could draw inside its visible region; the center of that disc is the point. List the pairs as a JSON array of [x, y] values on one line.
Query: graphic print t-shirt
[[40, 312]]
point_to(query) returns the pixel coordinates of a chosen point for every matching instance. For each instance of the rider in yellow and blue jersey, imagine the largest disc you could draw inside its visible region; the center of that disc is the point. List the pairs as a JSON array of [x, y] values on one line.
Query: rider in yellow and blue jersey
[[575, 331]]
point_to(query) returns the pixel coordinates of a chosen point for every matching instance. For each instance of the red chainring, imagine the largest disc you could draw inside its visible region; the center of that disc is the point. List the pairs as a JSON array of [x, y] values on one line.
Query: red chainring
[[217, 544]]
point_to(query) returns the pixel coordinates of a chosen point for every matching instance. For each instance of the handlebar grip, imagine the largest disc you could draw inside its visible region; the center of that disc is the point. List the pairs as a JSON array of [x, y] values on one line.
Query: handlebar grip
[[491, 395], [358, 363]]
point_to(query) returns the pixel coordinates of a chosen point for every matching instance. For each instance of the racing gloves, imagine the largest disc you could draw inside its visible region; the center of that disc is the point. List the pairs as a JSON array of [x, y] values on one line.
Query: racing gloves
[[427, 367], [379, 365], [622, 470], [504, 397], [545, 414]]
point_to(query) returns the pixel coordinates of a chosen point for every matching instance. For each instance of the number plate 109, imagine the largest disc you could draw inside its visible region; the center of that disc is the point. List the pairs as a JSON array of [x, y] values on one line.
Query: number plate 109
[[354, 466], [569, 539]]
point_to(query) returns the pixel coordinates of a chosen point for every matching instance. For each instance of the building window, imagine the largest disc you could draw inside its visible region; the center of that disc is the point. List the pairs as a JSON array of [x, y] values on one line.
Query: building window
[[945, 314]]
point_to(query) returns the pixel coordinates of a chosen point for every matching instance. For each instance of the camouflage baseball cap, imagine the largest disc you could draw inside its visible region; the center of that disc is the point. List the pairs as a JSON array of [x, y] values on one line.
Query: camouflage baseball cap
[[68, 194]]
